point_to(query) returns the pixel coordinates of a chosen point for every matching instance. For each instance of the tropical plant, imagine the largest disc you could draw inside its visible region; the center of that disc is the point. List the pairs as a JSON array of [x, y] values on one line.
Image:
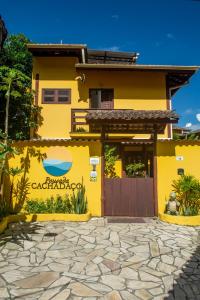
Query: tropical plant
[[192, 137], [6, 151], [111, 157], [135, 169], [176, 136], [187, 189], [79, 201], [23, 114], [76, 204], [80, 129], [58, 204], [18, 111], [15, 54], [13, 172], [12, 83]]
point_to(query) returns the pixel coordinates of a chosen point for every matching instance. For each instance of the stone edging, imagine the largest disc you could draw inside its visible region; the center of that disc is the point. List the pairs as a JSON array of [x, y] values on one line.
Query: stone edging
[[180, 220], [43, 218]]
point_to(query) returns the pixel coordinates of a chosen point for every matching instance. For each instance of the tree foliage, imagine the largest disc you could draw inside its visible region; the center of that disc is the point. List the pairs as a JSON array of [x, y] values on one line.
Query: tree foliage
[[22, 112], [16, 55], [111, 157], [15, 60]]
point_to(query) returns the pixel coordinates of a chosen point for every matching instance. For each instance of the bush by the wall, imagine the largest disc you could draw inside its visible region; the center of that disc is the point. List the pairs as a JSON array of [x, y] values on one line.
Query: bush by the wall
[[50, 205], [187, 189], [76, 204]]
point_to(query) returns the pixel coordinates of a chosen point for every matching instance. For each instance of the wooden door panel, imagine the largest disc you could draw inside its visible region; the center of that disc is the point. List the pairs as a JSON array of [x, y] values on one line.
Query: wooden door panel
[[131, 197]]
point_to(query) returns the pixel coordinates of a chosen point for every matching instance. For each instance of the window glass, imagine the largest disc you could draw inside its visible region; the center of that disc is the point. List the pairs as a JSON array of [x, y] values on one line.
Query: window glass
[[63, 95], [56, 96], [49, 96]]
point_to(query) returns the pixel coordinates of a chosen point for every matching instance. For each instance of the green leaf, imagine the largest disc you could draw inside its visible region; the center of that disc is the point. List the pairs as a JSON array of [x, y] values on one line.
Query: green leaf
[[15, 94]]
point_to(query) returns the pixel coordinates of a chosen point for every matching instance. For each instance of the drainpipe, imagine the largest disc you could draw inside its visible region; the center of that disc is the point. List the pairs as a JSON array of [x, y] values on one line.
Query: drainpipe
[[83, 55]]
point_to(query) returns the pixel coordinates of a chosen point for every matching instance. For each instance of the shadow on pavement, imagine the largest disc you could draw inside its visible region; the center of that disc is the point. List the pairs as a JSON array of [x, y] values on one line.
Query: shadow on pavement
[[187, 285], [18, 232]]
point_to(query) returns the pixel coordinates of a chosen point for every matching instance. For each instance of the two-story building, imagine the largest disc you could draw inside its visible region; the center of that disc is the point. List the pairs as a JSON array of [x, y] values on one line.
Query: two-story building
[[91, 97]]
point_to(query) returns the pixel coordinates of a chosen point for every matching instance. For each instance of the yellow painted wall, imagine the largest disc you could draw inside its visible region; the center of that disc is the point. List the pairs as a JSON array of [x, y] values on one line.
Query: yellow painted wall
[[80, 152], [132, 90], [56, 73], [167, 165]]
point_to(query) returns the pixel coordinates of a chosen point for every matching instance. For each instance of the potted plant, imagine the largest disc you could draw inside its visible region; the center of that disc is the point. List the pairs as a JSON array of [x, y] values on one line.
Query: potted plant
[[135, 170]]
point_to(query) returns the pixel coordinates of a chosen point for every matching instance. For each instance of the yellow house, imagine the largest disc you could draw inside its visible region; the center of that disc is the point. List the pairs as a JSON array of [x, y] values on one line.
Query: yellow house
[[94, 102]]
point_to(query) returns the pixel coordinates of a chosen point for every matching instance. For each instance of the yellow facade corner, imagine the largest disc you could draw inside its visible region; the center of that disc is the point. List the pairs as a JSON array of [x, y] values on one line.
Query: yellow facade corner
[[180, 220], [168, 163]]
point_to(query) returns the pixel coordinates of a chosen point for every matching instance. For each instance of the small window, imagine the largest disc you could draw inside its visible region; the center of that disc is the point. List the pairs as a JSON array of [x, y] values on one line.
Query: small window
[[101, 98], [56, 96], [49, 96]]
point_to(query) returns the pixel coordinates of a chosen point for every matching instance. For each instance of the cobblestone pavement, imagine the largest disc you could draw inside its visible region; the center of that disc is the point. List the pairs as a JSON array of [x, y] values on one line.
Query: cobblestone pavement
[[96, 260]]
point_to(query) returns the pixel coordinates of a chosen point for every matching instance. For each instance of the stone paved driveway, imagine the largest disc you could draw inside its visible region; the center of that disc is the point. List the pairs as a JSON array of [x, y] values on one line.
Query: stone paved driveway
[[96, 260]]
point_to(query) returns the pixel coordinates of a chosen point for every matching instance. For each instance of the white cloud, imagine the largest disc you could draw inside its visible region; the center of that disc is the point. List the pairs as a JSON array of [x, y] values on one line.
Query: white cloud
[[157, 44], [112, 48], [198, 117], [188, 111], [188, 125], [116, 17], [170, 36]]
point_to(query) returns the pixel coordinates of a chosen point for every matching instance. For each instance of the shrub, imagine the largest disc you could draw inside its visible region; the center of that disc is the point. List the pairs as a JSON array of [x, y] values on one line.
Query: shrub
[[50, 205], [187, 189], [80, 129], [135, 170], [111, 157], [77, 204]]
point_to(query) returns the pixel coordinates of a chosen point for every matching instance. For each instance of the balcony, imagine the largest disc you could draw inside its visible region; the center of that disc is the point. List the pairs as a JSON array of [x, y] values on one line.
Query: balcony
[[124, 122], [78, 121], [79, 126]]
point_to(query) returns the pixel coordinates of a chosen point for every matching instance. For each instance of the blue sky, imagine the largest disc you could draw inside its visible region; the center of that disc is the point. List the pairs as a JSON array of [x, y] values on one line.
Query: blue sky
[[162, 31]]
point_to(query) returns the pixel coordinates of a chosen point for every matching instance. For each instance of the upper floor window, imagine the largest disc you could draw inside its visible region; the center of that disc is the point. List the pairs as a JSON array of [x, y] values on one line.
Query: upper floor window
[[101, 98], [56, 96]]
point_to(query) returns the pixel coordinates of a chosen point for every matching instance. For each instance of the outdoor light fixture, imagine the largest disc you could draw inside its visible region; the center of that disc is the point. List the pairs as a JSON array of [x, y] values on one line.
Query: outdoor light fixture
[[94, 161]]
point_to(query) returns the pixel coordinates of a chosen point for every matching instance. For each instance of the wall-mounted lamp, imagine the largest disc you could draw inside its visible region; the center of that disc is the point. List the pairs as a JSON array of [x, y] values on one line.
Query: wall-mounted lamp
[[94, 161], [81, 78]]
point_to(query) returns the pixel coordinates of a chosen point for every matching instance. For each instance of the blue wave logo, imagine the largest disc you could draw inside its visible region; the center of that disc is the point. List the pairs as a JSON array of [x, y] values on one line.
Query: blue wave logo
[[56, 167], [58, 161]]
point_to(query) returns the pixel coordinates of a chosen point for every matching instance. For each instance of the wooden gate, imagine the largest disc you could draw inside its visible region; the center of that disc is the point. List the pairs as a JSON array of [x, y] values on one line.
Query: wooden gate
[[131, 197]]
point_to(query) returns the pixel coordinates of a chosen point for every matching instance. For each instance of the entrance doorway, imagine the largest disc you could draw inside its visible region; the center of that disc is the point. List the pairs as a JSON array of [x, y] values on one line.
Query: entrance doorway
[[132, 194]]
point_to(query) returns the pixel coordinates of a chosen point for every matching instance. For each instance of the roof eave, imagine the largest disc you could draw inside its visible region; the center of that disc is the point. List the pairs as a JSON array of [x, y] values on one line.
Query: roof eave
[[138, 67], [56, 46]]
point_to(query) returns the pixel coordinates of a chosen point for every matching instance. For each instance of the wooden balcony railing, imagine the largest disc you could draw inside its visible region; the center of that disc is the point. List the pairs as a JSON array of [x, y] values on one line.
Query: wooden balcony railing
[[78, 121]]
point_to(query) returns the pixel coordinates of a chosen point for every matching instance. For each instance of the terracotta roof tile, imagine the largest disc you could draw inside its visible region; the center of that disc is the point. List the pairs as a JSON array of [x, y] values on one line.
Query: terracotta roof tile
[[129, 115]]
